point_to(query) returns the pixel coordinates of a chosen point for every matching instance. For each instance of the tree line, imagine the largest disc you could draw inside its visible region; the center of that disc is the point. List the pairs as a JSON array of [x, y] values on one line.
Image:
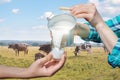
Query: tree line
[[31, 43]]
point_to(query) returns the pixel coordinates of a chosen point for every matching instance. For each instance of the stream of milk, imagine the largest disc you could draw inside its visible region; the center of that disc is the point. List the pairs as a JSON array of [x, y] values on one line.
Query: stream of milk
[[58, 31]]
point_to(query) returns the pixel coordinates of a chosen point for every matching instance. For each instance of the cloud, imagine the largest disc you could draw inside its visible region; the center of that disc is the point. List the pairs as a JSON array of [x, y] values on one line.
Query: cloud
[[5, 1], [46, 15], [42, 17], [114, 1], [15, 11], [2, 20], [106, 18], [107, 8], [77, 40], [96, 2], [40, 27]]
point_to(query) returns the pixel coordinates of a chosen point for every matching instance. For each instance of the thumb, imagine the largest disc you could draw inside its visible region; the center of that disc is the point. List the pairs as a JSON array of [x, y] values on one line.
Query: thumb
[[46, 59]]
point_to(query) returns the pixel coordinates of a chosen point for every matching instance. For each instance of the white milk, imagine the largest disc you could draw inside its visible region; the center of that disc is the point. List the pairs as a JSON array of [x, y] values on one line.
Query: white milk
[[58, 31]]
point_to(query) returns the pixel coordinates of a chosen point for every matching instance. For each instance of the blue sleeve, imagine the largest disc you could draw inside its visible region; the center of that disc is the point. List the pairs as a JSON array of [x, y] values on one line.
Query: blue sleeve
[[93, 35], [114, 57], [113, 24]]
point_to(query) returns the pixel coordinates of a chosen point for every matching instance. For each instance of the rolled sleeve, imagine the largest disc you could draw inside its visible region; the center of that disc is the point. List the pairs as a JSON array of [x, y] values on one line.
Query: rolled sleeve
[[113, 24], [93, 35], [114, 57]]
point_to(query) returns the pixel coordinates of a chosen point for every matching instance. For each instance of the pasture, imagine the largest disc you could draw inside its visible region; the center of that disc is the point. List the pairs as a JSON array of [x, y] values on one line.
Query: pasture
[[82, 67]]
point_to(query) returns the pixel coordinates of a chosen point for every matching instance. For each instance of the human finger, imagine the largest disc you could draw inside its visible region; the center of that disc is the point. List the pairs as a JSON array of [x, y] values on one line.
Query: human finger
[[79, 9], [51, 63], [45, 59], [88, 9], [57, 66], [86, 16]]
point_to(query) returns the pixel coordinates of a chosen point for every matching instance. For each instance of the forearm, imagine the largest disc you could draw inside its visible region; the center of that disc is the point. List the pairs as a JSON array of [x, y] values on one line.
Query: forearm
[[106, 35], [82, 30], [113, 24], [87, 32], [13, 72]]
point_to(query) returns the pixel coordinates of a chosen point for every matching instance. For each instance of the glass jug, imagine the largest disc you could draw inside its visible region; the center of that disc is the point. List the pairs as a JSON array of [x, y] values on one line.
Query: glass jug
[[60, 27]]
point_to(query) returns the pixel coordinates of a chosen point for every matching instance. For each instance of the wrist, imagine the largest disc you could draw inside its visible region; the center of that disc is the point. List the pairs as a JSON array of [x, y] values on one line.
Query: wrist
[[13, 72], [97, 20], [100, 26], [25, 73]]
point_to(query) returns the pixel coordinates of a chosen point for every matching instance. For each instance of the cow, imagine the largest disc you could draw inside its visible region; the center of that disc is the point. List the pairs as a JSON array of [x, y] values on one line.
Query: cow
[[46, 48], [83, 47], [38, 56], [76, 50], [105, 49], [19, 47]]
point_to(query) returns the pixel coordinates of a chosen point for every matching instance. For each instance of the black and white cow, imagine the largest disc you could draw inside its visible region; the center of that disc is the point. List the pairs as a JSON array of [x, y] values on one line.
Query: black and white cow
[[83, 47]]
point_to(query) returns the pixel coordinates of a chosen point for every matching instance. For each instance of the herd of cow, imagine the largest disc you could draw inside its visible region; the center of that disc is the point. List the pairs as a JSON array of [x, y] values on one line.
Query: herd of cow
[[47, 48], [24, 47], [83, 47]]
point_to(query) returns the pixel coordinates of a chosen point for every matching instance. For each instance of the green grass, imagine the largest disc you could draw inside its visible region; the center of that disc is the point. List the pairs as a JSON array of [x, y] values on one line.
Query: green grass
[[83, 67]]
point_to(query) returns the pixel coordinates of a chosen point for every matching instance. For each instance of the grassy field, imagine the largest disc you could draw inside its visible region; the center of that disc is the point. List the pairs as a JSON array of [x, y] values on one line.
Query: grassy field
[[83, 67]]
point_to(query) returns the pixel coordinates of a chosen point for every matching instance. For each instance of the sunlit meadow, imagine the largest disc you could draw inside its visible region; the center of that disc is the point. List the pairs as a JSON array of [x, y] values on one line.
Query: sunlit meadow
[[82, 67]]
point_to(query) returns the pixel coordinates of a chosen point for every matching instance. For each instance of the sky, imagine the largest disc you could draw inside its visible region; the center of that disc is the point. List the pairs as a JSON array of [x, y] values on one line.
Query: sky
[[26, 19]]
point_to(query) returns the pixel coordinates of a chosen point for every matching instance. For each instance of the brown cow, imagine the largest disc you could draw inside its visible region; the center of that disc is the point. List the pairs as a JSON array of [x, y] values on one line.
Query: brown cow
[[76, 50], [38, 56], [19, 47], [105, 49], [83, 47], [46, 48]]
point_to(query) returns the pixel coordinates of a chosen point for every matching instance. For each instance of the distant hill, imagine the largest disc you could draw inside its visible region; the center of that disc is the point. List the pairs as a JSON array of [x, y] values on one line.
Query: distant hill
[[92, 43], [38, 43], [29, 42]]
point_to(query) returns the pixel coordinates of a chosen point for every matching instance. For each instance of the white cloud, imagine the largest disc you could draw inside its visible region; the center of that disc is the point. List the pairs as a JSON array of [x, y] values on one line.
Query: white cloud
[[77, 40], [39, 27], [107, 8], [5, 1], [106, 18], [42, 17], [114, 1], [94, 1], [2, 20], [46, 15], [15, 11]]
